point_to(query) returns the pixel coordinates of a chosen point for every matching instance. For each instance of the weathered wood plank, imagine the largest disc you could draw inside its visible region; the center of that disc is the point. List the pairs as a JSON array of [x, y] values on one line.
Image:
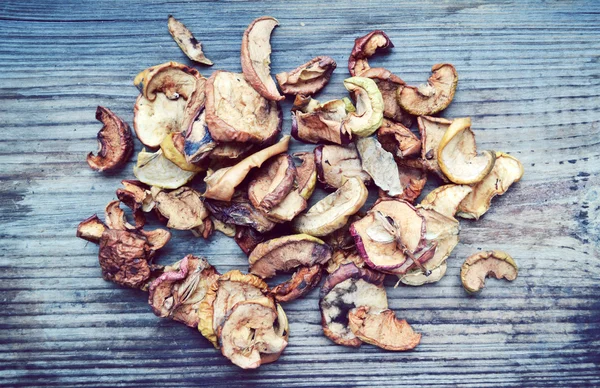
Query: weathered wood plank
[[529, 78]]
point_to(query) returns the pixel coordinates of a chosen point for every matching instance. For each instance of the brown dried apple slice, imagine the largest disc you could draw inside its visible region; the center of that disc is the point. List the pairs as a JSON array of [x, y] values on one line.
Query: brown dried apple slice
[[506, 171], [222, 183], [114, 140], [369, 107], [416, 277], [154, 169], [302, 281], [432, 130], [235, 112], [458, 157], [388, 85], [321, 123], [443, 232], [248, 238], [334, 162], [398, 140], [412, 181], [446, 199], [136, 196], [333, 211], [287, 253], [256, 57], [272, 183], [343, 290], [183, 207], [382, 329], [341, 257], [380, 165], [365, 47], [308, 78], [239, 211], [91, 229], [307, 174], [483, 264], [186, 41], [432, 97]]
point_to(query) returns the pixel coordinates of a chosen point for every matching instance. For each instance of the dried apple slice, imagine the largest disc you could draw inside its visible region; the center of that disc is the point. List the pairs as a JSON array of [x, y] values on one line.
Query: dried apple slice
[[335, 162], [256, 57], [247, 238], [333, 211], [380, 165], [412, 181], [416, 277], [91, 229], [432, 130], [136, 195], [398, 140], [178, 292], [346, 288], [445, 199], [382, 329], [231, 152], [183, 207], [306, 174], [369, 107], [365, 47], [171, 96], [308, 78], [198, 144], [172, 148], [458, 157], [321, 123], [302, 281], [116, 219], [222, 183], [442, 231], [272, 183], [239, 211], [341, 257], [483, 264], [506, 171], [235, 112], [388, 85], [114, 140], [432, 97], [186, 41], [287, 253], [155, 170]]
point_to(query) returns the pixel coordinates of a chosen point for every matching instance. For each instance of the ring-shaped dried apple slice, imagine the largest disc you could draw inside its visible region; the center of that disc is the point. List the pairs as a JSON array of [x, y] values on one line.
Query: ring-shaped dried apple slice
[[114, 140], [256, 57], [369, 107], [446, 199], [272, 183], [154, 169], [235, 112], [382, 329], [458, 157], [365, 47], [506, 171], [334, 162], [183, 207], [432, 97], [308, 78], [346, 288], [186, 41], [287, 253], [483, 264], [333, 211]]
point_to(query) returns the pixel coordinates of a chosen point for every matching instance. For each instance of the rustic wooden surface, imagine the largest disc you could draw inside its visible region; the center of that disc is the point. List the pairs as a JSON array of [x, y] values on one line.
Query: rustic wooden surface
[[529, 78]]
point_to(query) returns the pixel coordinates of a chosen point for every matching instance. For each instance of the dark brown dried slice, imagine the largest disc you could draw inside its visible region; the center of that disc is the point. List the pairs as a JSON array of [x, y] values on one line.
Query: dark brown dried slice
[[397, 139], [273, 182], [178, 292], [256, 57], [239, 211], [483, 264], [380, 165], [322, 123], [334, 162], [345, 289], [365, 47], [388, 85], [302, 281], [247, 238], [432, 130], [235, 112], [114, 140], [287, 253], [383, 329], [183, 207], [91, 229], [187, 42], [308, 78], [432, 97]]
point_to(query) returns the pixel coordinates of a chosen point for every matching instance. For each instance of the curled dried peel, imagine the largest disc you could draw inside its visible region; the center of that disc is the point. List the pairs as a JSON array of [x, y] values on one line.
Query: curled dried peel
[[187, 42], [506, 171], [287, 253], [369, 107], [308, 78], [114, 140], [222, 183], [458, 157], [446, 199], [183, 207], [333, 211], [382, 329], [155, 169], [256, 57], [432, 97], [273, 182], [483, 264], [334, 162], [365, 47]]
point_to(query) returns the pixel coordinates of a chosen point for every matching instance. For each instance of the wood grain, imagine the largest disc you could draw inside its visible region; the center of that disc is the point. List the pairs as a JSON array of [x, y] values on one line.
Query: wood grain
[[529, 77]]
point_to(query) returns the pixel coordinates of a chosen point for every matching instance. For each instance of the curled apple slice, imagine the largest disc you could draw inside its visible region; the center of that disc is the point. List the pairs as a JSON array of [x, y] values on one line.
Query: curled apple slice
[[483, 264], [382, 329], [432, 97]]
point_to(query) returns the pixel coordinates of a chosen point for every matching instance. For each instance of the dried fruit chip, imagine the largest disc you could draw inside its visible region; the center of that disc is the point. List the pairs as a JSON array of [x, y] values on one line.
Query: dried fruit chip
[[273, 182], [187, 42], [412, 181], [369, 107], [248, 238], [397, 139], [306, 174], [341, 257], [458, 157], [256, 57], [116, 219], [442, 232], [432, 97], [157, 238], [231, 152], [114, 140], [155, 170], [172, 147], [333, 211], [506, 171], [321, 123], [308, 78], [388, 85], [365, 47], [292, 205], [287, 253], [445, 199], [416, 277], [236, 112], [171, 96], [178, 292], [222, 183], [483, 264], [345, 289], [335, 162], [198, 143], [239, 211], [136, 196], [302, 281], [380, 165], [432, 130], [183, 207], [91, 229], [382, 329]]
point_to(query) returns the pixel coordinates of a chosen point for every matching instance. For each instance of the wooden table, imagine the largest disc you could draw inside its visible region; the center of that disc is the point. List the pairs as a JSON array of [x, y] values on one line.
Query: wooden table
[[529, 78]]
